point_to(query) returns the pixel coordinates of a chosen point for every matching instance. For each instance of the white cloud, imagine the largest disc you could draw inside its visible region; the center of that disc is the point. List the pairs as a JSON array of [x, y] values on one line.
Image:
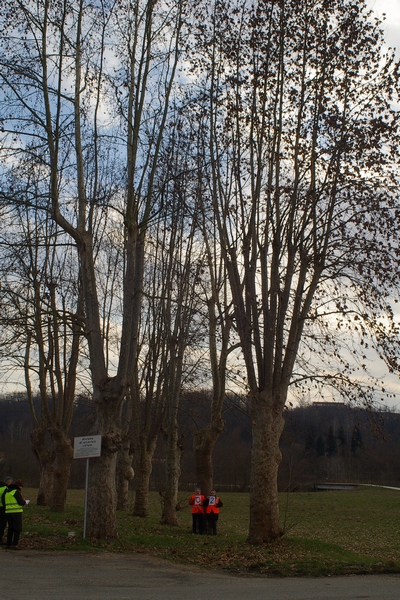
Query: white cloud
[[391, 25]]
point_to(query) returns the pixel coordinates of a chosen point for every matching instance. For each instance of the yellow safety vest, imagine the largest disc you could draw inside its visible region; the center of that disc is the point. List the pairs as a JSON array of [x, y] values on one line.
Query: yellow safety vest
[[2, 490], [11, 504]]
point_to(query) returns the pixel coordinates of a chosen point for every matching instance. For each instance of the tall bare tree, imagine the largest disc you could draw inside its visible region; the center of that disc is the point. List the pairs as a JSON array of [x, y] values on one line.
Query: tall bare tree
[[181, 323], [40, 285], [301, 169], [69, 57], [220, 346]]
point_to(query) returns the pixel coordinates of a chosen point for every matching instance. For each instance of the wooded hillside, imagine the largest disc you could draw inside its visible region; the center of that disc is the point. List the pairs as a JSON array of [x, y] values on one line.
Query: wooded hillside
[[321, 442]]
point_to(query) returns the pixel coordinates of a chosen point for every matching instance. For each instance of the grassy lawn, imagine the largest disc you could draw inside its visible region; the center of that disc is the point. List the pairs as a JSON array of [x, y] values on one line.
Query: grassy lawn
[[326, 533]]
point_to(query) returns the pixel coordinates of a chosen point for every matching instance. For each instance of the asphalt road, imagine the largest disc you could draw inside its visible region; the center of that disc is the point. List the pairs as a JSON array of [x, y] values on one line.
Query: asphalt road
[[31, 575]]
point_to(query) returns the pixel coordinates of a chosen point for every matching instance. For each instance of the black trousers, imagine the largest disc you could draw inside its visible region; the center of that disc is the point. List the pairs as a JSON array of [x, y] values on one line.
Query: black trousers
[[14, 528], [198, 523], [212, 519], [3, 523]]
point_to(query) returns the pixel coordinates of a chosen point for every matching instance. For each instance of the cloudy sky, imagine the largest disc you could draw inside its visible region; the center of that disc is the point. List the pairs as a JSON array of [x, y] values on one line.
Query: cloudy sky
[[392, 23], [391, 27]]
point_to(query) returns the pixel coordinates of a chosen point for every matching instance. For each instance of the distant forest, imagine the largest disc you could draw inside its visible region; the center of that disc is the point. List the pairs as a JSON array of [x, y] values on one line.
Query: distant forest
[[321, 442]]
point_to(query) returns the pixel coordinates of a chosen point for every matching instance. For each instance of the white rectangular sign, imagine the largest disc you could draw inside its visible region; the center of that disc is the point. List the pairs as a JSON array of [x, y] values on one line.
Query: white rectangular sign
[[87, 447]]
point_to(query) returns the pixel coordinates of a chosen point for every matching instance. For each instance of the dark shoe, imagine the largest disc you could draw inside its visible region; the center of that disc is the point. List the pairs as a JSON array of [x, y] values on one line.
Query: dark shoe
[[14, 548]]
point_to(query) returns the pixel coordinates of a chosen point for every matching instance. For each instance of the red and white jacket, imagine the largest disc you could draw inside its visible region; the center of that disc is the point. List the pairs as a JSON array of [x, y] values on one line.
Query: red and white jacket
[[213, 504], [196, 501]]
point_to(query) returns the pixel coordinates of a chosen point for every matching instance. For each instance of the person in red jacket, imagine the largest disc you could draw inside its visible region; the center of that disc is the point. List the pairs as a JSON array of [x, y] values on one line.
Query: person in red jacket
[[196, 501], [212, 505]]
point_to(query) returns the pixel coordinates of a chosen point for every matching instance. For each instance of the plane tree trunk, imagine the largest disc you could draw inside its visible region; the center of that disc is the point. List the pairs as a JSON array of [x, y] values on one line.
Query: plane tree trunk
[[265, 460], [143, 469], [45, 458], [204, 441], [125, 472], [62, 468]]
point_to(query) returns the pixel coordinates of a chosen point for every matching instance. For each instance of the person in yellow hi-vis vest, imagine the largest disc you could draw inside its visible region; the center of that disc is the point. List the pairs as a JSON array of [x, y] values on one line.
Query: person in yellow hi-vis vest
[[3, 519], [13, 502]]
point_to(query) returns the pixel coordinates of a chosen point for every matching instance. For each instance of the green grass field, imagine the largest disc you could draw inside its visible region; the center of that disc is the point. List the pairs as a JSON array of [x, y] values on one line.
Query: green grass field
[[326, 533]]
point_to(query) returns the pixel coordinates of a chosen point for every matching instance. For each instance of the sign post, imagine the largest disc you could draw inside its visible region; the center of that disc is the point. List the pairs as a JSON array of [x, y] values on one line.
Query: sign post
[[87, 447]]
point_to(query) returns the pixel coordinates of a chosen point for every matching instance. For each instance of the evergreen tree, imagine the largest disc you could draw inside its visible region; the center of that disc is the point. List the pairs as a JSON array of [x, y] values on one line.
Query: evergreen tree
[[356, 440], [342, 441], [320, 446], [331, 443]]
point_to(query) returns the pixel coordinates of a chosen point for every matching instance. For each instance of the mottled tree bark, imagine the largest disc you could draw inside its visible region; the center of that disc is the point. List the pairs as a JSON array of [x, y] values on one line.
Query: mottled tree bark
[[173, 470], [125, 473], [265, 460], [143, 468], [101, 518], [204, 441], [62, 468], [45, 457]]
